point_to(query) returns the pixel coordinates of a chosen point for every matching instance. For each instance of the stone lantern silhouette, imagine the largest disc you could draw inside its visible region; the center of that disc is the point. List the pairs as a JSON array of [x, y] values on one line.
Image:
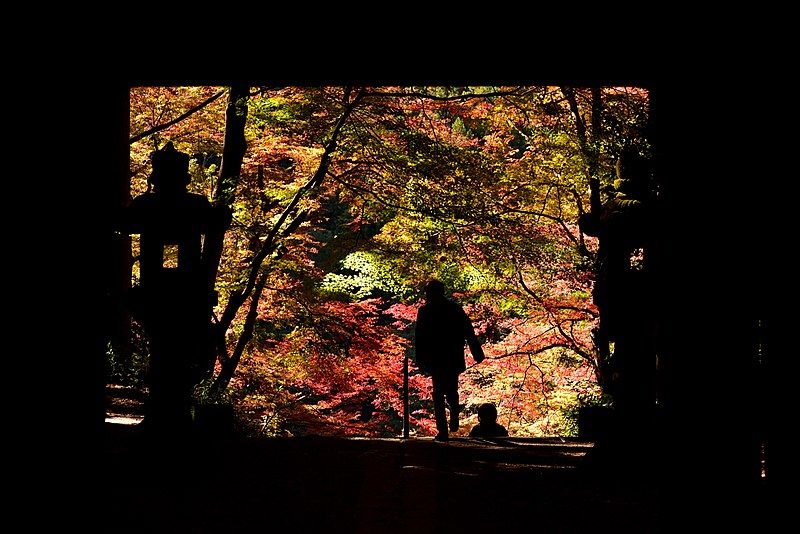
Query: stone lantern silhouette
[[623, 291], [180, 244]]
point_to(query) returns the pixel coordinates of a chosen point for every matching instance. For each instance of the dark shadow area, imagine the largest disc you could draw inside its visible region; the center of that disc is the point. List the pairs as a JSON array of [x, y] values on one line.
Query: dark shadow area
[[364, 485]]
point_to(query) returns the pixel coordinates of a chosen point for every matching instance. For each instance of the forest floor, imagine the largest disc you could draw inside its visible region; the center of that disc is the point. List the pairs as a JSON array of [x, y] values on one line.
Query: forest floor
[[362, 485], [336, 484]]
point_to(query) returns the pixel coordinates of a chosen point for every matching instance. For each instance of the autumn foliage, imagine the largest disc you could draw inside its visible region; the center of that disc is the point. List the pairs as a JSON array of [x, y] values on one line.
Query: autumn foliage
[[362, 194]]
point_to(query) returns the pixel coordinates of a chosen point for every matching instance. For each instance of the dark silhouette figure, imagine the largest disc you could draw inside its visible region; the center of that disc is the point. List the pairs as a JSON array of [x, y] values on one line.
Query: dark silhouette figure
[[181, 242], [488, 427], [442, 328]]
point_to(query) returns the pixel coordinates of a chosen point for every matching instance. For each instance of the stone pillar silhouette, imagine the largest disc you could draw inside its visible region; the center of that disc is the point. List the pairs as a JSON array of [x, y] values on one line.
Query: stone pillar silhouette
[[181, 236]]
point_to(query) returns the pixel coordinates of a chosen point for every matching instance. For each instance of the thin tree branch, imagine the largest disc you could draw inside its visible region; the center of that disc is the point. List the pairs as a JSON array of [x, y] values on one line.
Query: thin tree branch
[[381, 200], [575, 345], [558, 220], [441, 98], [237, 298], [588, 152], [531, 352], [533, 364], [546, 306], [179, 118], [226, 372], [580, 124]]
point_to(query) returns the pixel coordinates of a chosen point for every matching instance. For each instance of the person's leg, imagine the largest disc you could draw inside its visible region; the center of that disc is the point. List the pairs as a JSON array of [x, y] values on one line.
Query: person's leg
[[451, 392], [439, 391]]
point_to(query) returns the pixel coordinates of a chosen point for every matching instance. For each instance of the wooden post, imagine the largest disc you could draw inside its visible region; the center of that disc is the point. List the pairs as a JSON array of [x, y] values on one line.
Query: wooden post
[[405, 397]]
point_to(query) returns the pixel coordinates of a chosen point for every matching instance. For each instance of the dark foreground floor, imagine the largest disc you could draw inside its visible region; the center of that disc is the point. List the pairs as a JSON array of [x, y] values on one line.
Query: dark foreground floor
[[360, 485], [316, 484]]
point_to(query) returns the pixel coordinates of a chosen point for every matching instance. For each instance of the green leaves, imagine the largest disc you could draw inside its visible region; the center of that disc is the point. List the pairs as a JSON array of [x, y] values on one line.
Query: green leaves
[[365, 274]]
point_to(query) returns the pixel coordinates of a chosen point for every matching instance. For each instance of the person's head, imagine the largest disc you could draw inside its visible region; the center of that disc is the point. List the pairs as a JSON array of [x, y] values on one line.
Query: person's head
[[170, 169], [434, 290], [487, 413]]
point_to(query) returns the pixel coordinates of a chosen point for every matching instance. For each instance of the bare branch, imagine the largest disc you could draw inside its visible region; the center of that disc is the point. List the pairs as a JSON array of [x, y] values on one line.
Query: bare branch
[[179, 118], [383, 201], [531, 352], [546, 306], [417, 94], [531, 364], [575, 347], [544, 215]]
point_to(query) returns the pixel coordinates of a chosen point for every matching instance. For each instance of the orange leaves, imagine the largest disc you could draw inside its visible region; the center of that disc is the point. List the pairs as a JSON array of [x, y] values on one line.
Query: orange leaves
[[484, 192]]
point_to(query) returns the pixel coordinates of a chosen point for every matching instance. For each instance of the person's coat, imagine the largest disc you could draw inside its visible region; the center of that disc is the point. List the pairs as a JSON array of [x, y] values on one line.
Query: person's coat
[[442, 328]]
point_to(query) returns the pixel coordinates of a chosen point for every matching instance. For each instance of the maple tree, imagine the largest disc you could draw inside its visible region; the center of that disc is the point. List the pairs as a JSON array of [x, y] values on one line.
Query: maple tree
[[346, 200]]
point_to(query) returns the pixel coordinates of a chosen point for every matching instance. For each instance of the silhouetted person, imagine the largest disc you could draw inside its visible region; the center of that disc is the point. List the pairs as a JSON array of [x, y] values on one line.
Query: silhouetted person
[[181, 239], [488, 427], [442, 328]]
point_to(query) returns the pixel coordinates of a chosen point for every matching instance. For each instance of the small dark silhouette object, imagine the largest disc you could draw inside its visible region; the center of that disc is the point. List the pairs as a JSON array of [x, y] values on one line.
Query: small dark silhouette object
[[442, 327], [181, 243], [488, 427]]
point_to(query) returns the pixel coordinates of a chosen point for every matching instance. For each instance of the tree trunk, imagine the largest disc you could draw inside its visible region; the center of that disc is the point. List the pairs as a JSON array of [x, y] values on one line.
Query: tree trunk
[[588, 142], [235, 145], [592, 150], [224, 194]]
